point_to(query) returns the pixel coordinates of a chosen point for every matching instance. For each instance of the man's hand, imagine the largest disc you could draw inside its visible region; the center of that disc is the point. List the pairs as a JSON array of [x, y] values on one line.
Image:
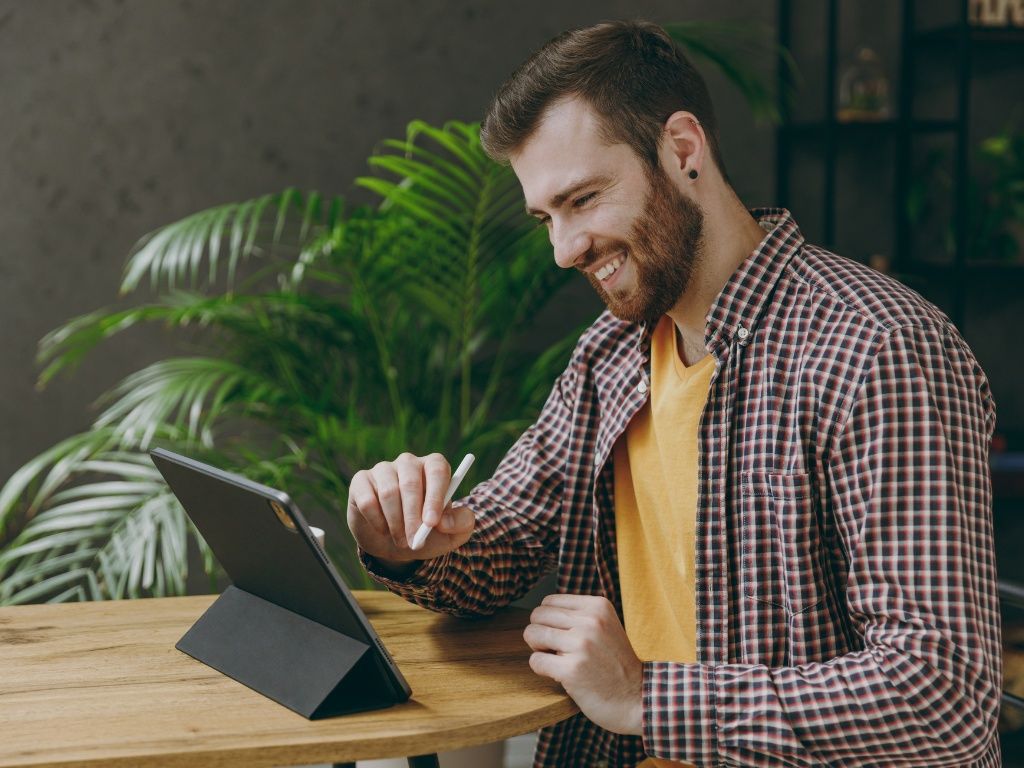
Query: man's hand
[[579, 641], [386, 505]]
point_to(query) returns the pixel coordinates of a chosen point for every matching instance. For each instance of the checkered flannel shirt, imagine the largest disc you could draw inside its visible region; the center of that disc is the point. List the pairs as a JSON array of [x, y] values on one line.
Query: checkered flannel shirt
[[847, 611]]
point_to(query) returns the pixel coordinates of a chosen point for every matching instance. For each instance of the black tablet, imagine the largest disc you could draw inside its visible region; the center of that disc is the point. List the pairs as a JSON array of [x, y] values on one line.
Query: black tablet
[[267, 550]]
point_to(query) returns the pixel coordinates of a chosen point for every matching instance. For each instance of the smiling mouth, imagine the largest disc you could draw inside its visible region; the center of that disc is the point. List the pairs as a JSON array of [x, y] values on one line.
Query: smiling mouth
[[609, 269]]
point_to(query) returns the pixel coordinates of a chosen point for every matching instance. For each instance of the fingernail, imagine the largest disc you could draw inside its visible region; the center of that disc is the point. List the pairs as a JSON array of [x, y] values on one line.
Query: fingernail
[[448, 521]]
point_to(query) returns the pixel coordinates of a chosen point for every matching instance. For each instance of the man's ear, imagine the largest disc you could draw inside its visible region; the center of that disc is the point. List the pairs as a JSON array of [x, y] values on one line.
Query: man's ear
[[684, 146]]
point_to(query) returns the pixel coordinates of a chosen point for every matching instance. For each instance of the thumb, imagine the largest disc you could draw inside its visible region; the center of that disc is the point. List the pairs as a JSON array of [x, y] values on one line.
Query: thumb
[[457, 520]]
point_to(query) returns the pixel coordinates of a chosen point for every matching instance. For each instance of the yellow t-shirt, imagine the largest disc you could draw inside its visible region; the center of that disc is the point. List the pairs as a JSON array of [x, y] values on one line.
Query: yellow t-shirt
[[656, 504]]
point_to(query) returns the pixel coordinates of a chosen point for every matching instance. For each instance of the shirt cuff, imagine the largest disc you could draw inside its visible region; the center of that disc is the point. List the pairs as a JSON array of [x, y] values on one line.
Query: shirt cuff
[[680, 714], [420, 583]]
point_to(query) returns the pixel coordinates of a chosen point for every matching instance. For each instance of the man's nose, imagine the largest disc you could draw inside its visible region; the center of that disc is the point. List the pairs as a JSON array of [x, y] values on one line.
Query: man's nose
[[570, 244]]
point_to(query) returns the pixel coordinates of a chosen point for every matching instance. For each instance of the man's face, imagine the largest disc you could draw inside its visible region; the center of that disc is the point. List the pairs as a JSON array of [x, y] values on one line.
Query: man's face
[[634, 235]]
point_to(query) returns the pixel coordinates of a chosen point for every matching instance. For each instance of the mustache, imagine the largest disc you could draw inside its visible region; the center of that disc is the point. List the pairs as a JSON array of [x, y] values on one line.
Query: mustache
[[593, 256]]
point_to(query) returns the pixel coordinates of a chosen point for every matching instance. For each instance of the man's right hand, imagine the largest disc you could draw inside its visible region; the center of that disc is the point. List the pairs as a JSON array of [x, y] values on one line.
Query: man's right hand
[[386, 505]]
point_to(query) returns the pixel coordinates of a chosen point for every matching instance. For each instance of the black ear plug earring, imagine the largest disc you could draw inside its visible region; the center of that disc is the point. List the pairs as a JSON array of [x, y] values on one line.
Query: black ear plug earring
[[693, 174]]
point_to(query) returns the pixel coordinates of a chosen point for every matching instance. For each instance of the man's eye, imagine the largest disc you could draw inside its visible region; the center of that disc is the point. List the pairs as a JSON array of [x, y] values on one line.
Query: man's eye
[[543, 221], [579, 202]]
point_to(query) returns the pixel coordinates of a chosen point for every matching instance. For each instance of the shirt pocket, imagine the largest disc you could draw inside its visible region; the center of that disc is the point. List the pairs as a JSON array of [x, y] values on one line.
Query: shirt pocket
[[781, 541]]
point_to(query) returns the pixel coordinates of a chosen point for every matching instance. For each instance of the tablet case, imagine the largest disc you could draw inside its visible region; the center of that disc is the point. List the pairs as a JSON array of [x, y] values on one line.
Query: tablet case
[[309, 668]]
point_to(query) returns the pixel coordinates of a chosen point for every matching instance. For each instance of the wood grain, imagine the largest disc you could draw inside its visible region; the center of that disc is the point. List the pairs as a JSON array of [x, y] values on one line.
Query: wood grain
[[101, 684]]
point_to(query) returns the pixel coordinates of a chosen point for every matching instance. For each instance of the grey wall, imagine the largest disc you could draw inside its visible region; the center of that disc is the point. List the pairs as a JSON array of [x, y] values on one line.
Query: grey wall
[[117, 117]]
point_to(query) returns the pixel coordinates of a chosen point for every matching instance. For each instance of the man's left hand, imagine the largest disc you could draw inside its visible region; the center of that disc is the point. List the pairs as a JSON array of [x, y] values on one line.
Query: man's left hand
[[579, 641]]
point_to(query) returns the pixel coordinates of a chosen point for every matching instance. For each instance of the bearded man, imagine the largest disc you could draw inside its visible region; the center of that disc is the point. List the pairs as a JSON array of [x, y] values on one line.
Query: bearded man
[[762, 480]]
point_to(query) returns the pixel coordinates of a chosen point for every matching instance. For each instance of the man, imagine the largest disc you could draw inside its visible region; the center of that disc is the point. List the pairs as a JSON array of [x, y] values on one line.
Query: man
[[762, 479]]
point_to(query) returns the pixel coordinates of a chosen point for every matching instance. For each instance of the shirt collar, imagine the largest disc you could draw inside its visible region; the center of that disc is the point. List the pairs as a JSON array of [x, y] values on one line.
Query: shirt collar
[[741, 302]]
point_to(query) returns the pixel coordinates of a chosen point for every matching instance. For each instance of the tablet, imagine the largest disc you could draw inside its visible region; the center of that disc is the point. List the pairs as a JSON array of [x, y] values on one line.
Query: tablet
[[265, 546]]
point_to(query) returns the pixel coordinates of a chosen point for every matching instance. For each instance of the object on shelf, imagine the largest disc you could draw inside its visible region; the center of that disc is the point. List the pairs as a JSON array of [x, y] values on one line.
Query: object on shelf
[[863, 89], [996, 13]]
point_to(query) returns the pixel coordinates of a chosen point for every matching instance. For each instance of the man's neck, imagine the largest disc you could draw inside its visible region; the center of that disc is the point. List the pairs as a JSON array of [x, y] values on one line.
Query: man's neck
[[731, 234]]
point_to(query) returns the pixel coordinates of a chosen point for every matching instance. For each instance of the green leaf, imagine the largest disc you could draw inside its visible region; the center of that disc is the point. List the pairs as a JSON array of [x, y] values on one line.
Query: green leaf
[[46, 586], [14, 490], [174, 253]]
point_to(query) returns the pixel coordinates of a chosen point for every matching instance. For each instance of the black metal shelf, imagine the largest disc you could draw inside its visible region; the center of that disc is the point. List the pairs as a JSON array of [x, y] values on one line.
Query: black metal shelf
[[964, 43]]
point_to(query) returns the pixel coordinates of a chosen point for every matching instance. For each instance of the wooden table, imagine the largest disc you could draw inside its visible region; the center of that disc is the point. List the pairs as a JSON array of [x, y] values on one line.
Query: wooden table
[[101, 684]]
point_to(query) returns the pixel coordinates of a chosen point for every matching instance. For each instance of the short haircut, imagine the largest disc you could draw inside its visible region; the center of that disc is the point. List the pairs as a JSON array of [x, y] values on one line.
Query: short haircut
[[631, 73]]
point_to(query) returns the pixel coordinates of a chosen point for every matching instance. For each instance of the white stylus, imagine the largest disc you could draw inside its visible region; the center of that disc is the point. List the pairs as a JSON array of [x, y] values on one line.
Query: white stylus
[[421, 535]]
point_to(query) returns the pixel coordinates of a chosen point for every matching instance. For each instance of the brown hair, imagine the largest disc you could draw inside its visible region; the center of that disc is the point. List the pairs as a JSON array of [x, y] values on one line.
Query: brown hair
[[630, 72]]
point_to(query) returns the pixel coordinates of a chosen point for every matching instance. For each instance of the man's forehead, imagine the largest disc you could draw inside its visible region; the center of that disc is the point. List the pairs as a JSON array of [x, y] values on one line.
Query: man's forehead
[[570, 121], [567, 147]]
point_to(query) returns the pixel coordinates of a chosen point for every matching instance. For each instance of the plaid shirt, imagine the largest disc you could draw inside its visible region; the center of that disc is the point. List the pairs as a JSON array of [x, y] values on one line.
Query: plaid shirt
[[847, 611]]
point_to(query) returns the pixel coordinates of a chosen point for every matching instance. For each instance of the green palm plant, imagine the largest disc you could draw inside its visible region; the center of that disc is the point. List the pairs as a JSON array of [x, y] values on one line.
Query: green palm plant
[[328, 338]]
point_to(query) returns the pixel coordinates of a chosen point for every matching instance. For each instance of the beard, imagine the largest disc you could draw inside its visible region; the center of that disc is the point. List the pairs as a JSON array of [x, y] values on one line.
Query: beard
[[665, 246]]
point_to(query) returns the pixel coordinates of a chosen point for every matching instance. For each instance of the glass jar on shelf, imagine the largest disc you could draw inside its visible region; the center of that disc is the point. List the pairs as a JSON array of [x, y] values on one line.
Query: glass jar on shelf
[[863, 89]]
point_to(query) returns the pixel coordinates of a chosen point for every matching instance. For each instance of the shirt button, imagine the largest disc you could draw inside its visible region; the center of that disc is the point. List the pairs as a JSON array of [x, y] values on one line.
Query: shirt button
[[642, 387], [742, 332]]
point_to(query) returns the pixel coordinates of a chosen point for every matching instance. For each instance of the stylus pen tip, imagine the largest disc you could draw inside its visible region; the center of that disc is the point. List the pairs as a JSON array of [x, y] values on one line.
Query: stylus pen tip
[[421, 536]]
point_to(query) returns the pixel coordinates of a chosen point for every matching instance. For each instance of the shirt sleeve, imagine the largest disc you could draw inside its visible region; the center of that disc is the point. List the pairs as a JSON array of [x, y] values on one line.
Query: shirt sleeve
[[910, 488], [518, 514]]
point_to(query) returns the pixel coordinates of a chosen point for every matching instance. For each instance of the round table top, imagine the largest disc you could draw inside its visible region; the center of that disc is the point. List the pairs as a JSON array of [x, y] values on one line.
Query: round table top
[[91, 684]]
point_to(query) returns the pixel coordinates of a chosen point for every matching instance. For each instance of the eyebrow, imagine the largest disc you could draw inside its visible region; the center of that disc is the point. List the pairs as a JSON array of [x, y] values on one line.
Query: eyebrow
[[574, 187]]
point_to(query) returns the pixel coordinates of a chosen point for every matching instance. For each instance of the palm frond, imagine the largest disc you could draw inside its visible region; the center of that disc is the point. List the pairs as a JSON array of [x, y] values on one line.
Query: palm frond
[[236, 315], [188, 393], [463, 276], [173, 255], [467, 209], [30, 485], [124, 535], [64, 348]]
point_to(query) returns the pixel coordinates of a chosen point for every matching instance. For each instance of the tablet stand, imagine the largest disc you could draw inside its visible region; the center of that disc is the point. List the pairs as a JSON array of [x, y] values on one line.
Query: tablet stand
[[309, 668]]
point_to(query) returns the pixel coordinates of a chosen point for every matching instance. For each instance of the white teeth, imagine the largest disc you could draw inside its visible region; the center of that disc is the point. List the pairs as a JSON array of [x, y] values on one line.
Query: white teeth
[[609, 269]]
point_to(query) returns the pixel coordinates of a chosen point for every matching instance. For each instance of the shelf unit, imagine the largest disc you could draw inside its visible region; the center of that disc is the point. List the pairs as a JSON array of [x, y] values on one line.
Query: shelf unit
[[904, 128]]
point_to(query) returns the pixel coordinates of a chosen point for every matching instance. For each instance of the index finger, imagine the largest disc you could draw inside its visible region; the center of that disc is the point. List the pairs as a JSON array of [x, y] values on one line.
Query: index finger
[[553, 616], [573, 602], [438, 473]]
